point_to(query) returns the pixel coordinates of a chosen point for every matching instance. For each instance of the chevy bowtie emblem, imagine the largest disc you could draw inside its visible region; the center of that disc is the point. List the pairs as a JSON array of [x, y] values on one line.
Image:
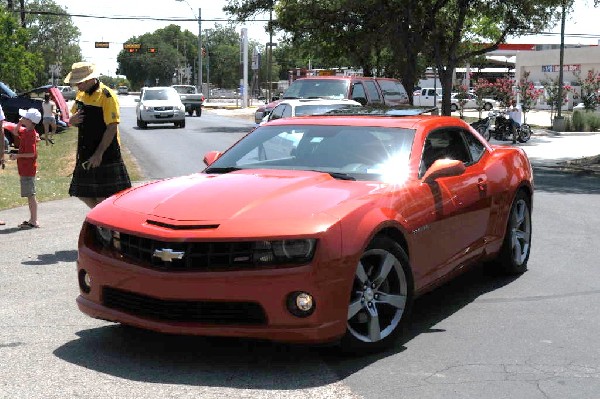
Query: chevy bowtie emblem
[[167, 254]]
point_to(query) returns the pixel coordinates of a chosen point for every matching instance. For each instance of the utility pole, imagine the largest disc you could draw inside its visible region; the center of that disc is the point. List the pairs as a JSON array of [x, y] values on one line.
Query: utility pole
[[22, 2], [200, 50]]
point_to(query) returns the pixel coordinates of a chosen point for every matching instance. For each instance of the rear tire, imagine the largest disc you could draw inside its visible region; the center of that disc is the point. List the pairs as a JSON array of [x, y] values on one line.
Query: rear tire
[[381, 297], [488, 106], [516, 247], [453, 107]]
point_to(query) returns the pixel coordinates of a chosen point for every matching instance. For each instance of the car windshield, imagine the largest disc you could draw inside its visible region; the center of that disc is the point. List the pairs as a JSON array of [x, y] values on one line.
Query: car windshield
[[318, 88], [363, 153], [162, 94], [315, 109]]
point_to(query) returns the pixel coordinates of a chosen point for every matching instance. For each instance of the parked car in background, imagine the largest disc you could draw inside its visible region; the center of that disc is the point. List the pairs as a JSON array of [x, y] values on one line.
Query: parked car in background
[[328, 238], [471, 102], [159, 105], [11, 103], [122, 90], [191, 98], [426, 97], [67, 92], [365, 90], [302, 107]]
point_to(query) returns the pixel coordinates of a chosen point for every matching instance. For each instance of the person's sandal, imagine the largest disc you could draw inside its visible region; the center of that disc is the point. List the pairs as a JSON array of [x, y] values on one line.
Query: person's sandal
[[27, 225]]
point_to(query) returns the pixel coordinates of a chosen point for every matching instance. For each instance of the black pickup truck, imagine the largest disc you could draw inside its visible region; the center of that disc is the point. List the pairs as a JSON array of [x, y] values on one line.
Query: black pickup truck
[[365, 90]]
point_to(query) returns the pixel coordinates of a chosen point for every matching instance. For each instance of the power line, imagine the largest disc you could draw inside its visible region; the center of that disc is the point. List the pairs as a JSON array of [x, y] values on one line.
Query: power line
[[116, 17]]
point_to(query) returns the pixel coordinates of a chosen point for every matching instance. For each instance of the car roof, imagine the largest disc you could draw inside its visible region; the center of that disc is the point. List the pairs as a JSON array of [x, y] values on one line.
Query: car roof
[[318, 101], [408, 117]]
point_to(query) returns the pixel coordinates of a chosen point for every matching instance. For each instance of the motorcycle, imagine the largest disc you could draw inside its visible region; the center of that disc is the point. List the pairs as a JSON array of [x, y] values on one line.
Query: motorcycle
[[498, 125]]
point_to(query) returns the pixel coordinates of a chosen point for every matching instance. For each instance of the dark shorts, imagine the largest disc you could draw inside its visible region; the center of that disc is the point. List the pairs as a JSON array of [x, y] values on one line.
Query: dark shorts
[[27, 186], [100, 182]]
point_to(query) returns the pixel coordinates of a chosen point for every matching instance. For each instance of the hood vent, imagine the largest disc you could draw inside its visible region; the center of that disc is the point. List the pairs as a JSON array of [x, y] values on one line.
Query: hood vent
[[183, 227]]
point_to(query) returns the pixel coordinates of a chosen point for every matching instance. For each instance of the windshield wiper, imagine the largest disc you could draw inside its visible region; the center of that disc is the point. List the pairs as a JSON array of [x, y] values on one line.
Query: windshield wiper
[[222, 170], [335, 175]]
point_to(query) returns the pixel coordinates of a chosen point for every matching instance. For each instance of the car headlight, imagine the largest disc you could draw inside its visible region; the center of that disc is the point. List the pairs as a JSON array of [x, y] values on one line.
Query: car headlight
[[181, 107], [108, 238], [146, 108], [285, 251]]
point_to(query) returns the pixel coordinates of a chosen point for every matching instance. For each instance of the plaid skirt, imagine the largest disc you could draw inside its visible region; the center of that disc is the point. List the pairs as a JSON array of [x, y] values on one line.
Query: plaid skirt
[[100, 182]]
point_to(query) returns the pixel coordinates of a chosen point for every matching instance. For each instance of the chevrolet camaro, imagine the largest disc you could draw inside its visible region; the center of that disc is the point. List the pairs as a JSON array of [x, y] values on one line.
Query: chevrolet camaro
[[316, 229]]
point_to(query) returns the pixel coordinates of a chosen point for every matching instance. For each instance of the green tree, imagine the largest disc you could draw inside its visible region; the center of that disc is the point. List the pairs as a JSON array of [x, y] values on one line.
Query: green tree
[[590, 88], [19, 66], [52, 36]]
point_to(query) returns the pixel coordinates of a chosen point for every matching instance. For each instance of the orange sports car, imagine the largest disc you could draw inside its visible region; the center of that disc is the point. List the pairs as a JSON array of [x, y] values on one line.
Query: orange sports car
[[313, 229]]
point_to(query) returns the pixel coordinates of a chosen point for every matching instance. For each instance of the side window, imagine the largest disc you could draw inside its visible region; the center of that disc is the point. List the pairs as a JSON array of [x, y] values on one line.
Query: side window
[[359, 94], [443, 144], [476, 147], [277, 112], [374, 95], [287, 111], [393, 90]]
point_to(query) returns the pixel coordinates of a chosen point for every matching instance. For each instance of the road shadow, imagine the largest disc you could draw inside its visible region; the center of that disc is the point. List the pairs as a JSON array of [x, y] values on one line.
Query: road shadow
[[52, 259], [226, 129], [146, 356], [140, 355], [428, 311], [554, 180]]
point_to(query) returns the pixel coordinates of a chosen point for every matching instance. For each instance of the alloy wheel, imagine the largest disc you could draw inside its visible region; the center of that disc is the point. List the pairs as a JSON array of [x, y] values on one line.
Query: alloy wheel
[[378, 297]]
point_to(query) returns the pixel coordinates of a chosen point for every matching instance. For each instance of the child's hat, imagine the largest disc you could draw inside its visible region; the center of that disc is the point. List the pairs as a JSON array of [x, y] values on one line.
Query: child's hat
[[32, 114]]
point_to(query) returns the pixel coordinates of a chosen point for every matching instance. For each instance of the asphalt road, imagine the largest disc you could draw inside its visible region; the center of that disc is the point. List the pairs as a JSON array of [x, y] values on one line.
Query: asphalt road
[[481, 336]]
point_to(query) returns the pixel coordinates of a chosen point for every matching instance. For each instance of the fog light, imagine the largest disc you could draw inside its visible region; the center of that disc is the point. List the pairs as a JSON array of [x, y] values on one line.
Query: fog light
[[301, 304], [85, 281]]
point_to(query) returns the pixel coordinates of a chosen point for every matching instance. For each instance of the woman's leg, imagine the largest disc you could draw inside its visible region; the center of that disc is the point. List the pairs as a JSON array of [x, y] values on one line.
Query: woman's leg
[[46, 131]]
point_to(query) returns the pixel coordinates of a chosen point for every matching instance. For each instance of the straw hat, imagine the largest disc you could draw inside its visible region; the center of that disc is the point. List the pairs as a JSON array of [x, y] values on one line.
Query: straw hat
[[80, 72]]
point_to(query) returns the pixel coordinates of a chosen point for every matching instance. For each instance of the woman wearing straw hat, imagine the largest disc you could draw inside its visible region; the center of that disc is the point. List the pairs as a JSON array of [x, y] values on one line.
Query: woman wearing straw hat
[[99, 169]]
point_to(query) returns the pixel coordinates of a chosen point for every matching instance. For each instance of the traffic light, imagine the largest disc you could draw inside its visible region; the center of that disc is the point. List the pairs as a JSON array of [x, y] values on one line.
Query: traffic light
[[203, 52], [152, 50], [133, 50]]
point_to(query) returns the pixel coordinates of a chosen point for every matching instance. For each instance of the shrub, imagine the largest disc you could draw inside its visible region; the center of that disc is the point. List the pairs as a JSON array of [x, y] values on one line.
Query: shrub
[[578, 121], [593, 121]]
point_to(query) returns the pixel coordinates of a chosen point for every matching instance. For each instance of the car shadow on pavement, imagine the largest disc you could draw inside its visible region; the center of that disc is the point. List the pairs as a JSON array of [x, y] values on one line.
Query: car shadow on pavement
[[140, 355], [51, 259], [226, 129], [428, 311]]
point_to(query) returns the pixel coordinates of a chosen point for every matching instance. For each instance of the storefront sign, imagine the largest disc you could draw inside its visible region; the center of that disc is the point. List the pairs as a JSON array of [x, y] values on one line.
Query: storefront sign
[[566, 68]]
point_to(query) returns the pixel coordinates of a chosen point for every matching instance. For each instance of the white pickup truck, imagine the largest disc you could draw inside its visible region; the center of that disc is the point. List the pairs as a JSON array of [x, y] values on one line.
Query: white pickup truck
[[191, 99], [427, 97]]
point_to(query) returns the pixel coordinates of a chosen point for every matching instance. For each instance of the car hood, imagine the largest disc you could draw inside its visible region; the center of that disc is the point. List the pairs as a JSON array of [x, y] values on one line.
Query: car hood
[[242, 201]]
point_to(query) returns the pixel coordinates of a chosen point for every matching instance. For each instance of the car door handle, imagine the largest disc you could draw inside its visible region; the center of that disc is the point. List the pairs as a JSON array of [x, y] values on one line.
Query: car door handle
[[482, 185]]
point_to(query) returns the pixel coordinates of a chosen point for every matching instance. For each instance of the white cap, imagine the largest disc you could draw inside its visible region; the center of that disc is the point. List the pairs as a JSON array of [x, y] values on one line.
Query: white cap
[[32, 114]]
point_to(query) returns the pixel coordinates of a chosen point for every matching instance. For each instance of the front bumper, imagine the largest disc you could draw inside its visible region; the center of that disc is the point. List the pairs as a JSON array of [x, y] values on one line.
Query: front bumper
[[267, 289]]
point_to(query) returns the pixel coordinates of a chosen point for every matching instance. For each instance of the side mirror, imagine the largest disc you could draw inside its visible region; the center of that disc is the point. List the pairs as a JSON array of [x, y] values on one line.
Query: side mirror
[[444, 168], [211, 157]]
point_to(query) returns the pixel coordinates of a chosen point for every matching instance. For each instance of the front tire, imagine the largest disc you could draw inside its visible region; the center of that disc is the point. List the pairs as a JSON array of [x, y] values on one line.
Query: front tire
[[488, 106], [516, 247], [453, 107], [381, 297], [524, 133]]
